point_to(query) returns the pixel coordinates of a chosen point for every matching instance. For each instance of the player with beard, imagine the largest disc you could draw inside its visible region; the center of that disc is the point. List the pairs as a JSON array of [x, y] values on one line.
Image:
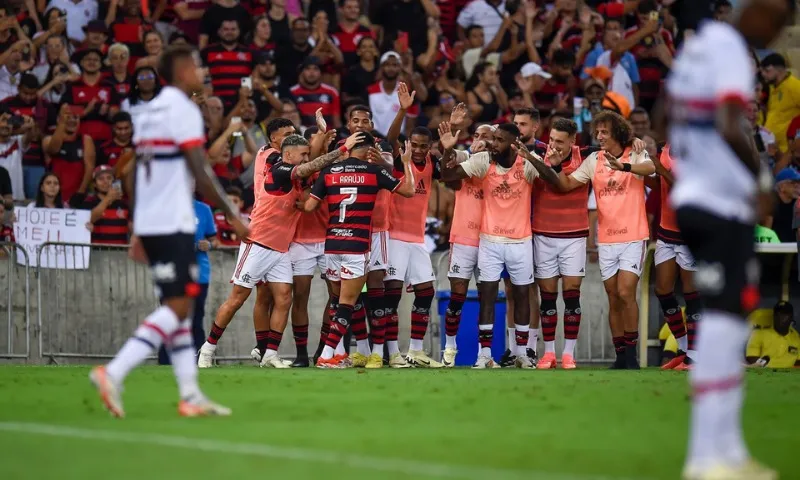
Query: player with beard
[[384, 100], [409, 261], [617, 175], [527, 121], [505, 232], [720, 181], [350, 188]]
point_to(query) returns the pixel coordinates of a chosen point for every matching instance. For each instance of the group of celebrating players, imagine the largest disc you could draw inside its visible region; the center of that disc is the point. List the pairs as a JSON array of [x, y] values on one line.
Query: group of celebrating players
[[336, 212]]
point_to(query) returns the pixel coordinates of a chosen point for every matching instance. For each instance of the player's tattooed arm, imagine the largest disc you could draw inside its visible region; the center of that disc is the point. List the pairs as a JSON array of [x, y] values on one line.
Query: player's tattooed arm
[[210, 188], [305, 170]]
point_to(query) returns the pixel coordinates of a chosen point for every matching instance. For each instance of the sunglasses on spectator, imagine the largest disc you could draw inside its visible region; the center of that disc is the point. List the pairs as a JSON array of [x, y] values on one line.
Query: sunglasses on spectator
[[146, 76]]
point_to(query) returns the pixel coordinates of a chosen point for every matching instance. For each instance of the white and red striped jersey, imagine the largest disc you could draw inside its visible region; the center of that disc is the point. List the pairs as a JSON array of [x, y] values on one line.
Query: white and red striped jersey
[[162, 128]]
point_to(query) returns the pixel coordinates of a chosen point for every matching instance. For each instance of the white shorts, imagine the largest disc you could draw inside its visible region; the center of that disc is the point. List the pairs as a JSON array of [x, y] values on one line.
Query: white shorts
[[378, 253], [667, 251], [463, 261], [306, 257], [256, 264], [516, 257], [409, 262], [559, 256], [344, 266], [621, 256]]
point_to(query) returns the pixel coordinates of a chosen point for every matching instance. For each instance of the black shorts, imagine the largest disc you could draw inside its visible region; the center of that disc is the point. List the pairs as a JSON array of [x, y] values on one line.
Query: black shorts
[[172, 264], [728, 272]]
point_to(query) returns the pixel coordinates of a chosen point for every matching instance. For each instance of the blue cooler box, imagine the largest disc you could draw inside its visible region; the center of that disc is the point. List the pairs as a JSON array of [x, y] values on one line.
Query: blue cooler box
[[467, 338]]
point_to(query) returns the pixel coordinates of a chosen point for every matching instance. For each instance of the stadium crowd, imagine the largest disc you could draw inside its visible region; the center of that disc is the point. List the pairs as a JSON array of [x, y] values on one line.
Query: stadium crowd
[[72, 70]]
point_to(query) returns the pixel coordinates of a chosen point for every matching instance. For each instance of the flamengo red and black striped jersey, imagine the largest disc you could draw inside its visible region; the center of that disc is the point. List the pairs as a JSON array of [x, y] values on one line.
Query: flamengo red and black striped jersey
[[350, 188], [308, 101], [227, 67]]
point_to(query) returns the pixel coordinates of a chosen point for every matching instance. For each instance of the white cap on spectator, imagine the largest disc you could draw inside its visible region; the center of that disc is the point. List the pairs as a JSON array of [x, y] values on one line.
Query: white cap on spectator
[[531, 69], [391, 53]]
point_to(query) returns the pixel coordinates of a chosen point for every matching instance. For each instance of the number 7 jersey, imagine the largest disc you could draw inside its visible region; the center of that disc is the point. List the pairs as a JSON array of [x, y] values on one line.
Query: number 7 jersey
[[350, 189]]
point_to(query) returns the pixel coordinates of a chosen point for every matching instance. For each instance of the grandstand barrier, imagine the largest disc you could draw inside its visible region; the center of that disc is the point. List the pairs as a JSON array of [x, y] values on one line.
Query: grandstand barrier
[[779, 274], [88, 314], [15, 282]]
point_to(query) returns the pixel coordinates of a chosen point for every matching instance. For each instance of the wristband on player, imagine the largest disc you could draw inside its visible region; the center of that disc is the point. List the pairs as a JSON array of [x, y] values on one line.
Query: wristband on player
[[343, 149], [626, 167]]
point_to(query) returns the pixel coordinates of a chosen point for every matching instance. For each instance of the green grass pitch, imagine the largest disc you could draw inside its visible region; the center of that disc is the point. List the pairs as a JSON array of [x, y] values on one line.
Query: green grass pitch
[[386, 424]]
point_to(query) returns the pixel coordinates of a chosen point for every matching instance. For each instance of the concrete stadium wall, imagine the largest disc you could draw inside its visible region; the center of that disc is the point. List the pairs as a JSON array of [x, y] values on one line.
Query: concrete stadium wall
[[90, 313]]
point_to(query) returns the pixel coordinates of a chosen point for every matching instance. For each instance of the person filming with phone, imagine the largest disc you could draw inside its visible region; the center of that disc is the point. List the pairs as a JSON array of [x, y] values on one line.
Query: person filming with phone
[[110, 220]]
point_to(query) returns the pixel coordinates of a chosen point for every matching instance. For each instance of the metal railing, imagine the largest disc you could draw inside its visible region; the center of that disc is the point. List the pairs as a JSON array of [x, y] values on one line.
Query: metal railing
[[15, 275]]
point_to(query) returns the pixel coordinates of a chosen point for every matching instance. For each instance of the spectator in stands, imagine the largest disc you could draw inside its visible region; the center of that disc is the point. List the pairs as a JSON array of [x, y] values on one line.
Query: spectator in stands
[[281, 20], [118, 77], [776, 347], [488, 15], [55, 86], [78, 14], [16, 132], [619, 54], [92, 99], [228, 167], [11, 69], [556, 92], [228, 61], [349, 32], [766, 235], [654, 52], [153, 46], [219, 12], [110, 152], [26, 103], [722, 10], [383, 100], [96, 35], [486, 99], [784, 96], [403, 24], [267, 89], [56, 52], [225, 234], [69, 154], [144, 87], [764, 139], [48, 195], [311, 94], [331, 58], [189, 13], [640, 120], [262, 36], [787, 189], [241, 146], [363, 73], [290, 56], [6, 227], [110, 214]]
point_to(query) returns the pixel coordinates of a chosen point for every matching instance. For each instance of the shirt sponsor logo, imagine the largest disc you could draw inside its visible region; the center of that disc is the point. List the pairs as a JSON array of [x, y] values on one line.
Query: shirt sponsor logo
[[475, 192], [420, 190], [342, 232], [505, 192], [612, 189]]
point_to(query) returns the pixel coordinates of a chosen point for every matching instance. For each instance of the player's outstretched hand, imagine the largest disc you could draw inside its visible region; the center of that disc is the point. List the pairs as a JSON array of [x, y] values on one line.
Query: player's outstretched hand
[[406, 156], [447, 137], [405, 98], [321, 123], [136, 251], [459, 114], [353, 140], [240, 228], [374, 155], [612, 162]]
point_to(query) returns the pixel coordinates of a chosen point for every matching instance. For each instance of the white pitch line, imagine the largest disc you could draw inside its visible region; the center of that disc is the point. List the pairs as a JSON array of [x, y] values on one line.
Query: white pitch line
[[393, 465]]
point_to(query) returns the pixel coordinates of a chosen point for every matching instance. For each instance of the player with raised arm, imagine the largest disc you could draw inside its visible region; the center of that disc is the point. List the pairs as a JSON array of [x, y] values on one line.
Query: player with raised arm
[[505, 233], [617, 175], [673, 258], [720, 180], [277, 130], [169, 138], [350, 188]]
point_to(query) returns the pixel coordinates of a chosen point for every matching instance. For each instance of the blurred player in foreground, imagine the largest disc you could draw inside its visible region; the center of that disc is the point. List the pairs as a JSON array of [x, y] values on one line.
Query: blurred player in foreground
[[719, 183], [169, 137]]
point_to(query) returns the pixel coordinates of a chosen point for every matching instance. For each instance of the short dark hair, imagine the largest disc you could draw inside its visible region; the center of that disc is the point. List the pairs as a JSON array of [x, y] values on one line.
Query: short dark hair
[[509, 128], [471, 28], [364, 39], [565, 125], [367, 140], [774, 60], [276, 124], [299, 19], [621, 130], [422, 131], [29, 80], [563, 58], [171, 54], [235, 191], [647, 6], [121, 117], [639, 110], [310, 131], [531, 112], [342, 2], [361, 108]]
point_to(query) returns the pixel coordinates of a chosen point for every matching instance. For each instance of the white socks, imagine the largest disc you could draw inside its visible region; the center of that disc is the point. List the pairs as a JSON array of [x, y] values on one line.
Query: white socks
[[155, 330], [327, 353], [550, 346], [512, 338], [533, 339], [716, 379], [450, 341], [683, 343], [393, 348], [569, 347], [184, 363], [415, 344], [362, 347], [340, 347], [377, 349]]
